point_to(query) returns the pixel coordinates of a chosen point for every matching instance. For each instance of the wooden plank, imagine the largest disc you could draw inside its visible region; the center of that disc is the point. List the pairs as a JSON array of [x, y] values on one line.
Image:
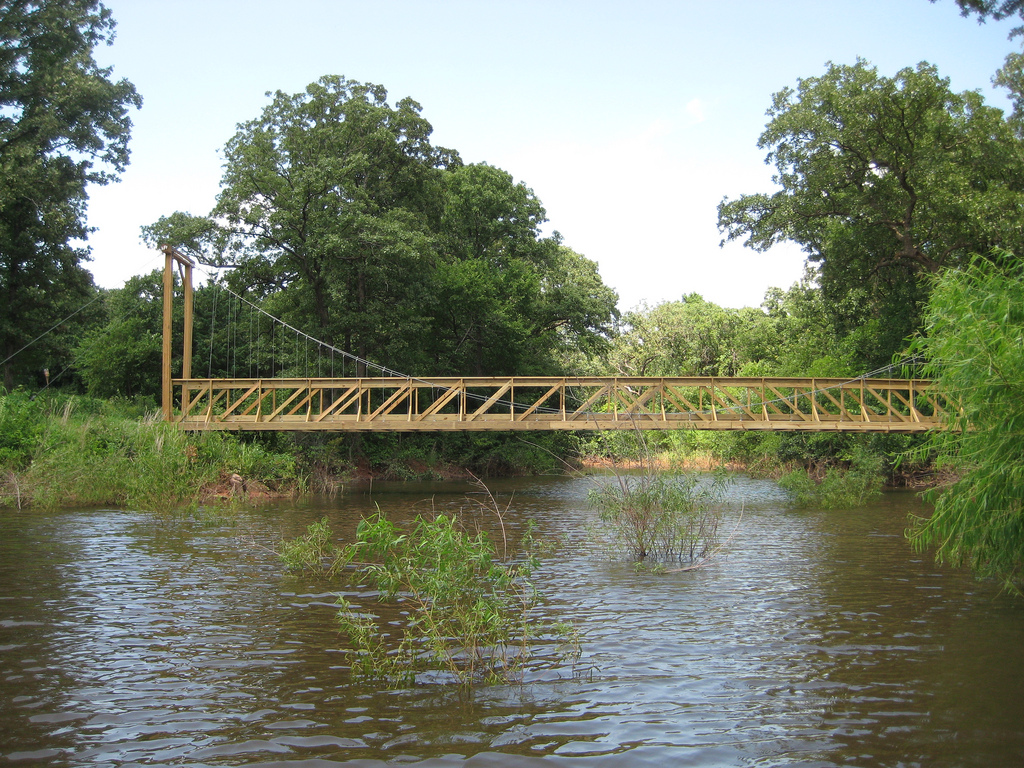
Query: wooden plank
[[258, 403], [604, 390], [729, 396], [674, 396], [490, 401], [386, 406], [279, 409], [165, 367], [450, 394], [843, 410], [556, 387], [340, 403], [242, 399]]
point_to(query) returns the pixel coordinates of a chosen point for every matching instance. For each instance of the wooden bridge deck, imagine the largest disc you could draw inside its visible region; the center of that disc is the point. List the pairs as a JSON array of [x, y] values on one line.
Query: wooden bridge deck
[[542, 403]]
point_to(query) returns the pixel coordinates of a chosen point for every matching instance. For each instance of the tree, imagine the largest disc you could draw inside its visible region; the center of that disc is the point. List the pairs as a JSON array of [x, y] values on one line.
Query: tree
[[807, 343], [63, 125], [996, 9], [123, 356], [1011, 74], [884, 181], [692, 337], [1011, 77], [504, 298], [328, 196], [340, 216], [577, 309], [974, 345]]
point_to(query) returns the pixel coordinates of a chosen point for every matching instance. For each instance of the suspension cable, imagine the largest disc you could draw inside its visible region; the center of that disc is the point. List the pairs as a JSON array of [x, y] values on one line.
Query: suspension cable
[[89, 303], [387, 372]]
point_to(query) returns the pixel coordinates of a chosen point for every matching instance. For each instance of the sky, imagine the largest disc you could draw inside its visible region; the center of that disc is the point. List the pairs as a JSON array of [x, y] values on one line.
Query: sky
[[629, 121]]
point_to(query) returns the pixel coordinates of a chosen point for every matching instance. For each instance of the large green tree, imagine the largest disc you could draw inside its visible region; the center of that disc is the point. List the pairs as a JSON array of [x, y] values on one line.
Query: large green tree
[[122, 357], [502, 297], [327, 195], [883, 181], [64, 125], [338, 213], [694, 337]]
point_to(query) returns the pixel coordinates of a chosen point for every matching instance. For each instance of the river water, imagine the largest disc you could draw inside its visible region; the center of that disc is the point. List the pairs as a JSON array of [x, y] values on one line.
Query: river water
[[817, 638]]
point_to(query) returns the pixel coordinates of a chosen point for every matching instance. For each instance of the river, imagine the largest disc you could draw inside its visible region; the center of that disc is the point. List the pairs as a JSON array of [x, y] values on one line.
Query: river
[[816, 638]]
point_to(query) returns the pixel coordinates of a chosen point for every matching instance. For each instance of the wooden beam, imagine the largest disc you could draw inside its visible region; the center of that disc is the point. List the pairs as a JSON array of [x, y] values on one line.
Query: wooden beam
[[165, 368], [171, 255]]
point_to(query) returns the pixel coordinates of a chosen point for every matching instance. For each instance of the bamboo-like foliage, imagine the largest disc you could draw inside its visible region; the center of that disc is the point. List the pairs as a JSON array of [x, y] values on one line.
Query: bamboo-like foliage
[[460, 613], [975, 348]]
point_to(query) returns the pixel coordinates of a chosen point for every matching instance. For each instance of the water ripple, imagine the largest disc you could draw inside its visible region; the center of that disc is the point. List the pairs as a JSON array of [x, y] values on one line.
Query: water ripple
[[817, 639]]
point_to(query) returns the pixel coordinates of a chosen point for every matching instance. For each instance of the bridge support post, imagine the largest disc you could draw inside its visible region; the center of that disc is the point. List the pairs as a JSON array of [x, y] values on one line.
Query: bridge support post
[[167, 394], [165, 371]]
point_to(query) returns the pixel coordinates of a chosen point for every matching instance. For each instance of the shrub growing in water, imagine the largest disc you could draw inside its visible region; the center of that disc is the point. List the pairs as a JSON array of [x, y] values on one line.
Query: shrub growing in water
[[660, 516], [311, 551], [468, 614]]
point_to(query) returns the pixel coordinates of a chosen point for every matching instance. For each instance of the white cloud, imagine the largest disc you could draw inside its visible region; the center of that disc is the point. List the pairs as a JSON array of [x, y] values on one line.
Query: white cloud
[[119, 211]]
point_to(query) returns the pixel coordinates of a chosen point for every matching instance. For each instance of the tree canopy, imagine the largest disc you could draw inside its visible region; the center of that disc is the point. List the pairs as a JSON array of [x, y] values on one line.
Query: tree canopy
[[690, 337], [995, 9], [790, 335], [64, 124], [122, 357], [883, 180], [338, 212]]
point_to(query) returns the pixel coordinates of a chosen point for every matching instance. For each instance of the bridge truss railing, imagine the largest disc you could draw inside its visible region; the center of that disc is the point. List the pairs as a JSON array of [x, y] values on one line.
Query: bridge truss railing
[[549, 403]]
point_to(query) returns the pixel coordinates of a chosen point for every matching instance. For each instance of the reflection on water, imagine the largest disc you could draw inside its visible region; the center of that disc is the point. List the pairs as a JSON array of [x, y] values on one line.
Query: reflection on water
[[818, 639]]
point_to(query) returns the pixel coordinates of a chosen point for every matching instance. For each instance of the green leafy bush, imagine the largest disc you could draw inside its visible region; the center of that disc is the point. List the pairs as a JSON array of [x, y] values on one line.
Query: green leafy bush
[[470, 612], [83, 452], [839, 487], [21, 425], [312, 551]]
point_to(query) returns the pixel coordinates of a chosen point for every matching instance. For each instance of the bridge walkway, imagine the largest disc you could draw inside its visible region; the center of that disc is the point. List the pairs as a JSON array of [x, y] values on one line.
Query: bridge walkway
[[551, 403]]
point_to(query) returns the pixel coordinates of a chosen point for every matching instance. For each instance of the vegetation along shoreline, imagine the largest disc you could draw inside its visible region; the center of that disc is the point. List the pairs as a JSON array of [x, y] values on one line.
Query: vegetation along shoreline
[[345, 241]]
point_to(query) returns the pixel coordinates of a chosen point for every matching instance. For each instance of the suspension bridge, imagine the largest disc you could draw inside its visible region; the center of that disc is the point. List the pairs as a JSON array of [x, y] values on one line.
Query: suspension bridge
[[285, 387]]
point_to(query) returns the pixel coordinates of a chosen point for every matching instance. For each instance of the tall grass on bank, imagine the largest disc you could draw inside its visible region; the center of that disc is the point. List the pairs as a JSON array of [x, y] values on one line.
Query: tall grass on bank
[[84, 452]]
